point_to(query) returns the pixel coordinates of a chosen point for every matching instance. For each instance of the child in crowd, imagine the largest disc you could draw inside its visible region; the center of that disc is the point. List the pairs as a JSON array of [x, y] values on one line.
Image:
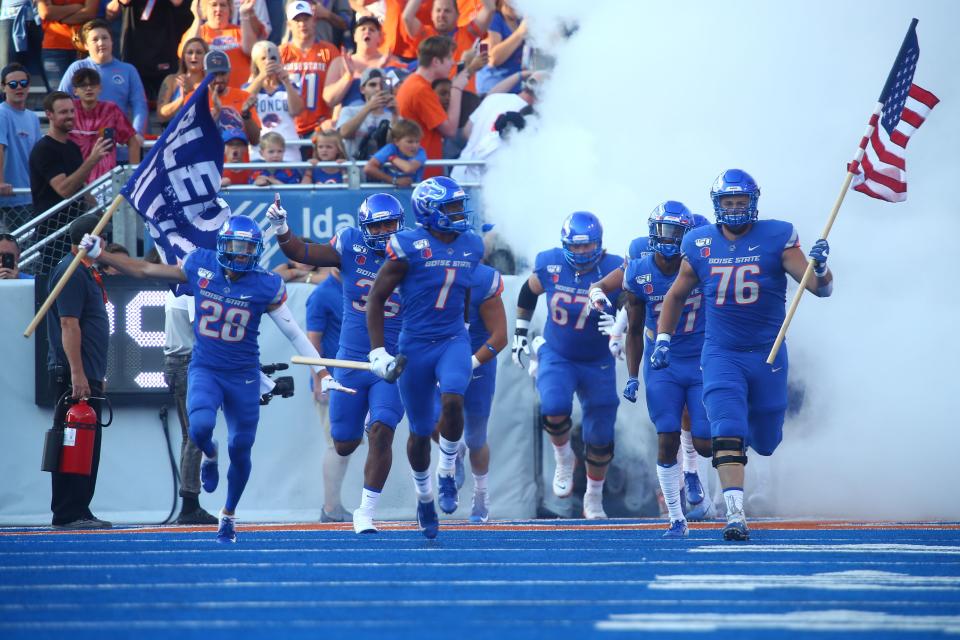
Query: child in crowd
[[401, 161], [94, 119], [327, 147], [234, 151], [272, 147]]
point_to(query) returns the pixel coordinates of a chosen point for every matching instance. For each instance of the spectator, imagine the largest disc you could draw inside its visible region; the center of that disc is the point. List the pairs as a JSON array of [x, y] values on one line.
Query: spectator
[[95, 119], [61, 20], [443, 22], [333, 19], [57, 166], [231, 108], [21, 38], [307, 61], [278, 100], [112, 247], [417, 101], [358, 124], [443, 88], [161, 24], [10, 259], [400, 162], [260, 18], [327, 147], [272, 146], [506, 38], [19, 131], [293, 271], [177, 86], [122, 85], [212, 23], [497, 112], [235, 150], [343, 80], [396, 41], [78, 330]]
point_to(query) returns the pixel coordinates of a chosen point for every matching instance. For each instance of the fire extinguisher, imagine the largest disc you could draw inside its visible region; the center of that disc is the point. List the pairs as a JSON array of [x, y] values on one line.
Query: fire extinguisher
[[79, 433]]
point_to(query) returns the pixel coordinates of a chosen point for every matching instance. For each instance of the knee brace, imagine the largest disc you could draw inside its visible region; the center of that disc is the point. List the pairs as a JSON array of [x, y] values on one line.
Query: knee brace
[[728, 444], [556, 429], [599, 455]]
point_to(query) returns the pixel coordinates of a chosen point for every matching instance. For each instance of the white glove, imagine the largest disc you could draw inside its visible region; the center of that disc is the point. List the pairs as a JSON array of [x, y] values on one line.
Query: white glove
[[606, 324], [520, 343], [328, 384], [616, 346], [93, 246], [535, 345], [380, 361], [277, 216], [598, 299], [474, 362]]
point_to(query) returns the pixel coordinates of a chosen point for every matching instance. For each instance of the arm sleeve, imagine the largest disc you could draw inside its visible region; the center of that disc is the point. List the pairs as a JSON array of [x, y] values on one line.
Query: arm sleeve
[[282, 317]]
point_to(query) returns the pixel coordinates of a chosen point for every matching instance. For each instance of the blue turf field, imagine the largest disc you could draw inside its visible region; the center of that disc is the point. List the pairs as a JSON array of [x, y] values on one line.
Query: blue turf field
[[547, 579]]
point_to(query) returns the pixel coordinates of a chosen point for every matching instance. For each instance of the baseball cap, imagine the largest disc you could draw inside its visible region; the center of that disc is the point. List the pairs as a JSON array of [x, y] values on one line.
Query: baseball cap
[[216, 62], [297, 8], [233, 133], [371, 73], [362, 20]]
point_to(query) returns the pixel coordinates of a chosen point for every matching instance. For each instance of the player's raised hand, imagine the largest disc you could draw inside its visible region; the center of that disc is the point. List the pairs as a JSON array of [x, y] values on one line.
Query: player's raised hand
[[277, 216], [328, 384], [819, 254], [630, 391], [381, 362], [660, 358], [598, 299], [92, 244], [520, 343]]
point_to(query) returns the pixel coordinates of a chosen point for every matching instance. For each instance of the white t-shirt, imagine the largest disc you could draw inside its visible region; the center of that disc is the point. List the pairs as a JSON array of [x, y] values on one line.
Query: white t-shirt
[[274, 112], [178, 324], [484, 138], [369, 124]]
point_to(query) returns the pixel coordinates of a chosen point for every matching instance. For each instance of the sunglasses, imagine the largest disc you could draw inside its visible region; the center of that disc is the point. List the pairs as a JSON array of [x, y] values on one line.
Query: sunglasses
[[23, 84]]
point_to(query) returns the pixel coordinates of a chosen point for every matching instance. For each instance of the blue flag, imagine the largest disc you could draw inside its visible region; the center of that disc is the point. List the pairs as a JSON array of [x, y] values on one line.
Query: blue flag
[[174, 189]]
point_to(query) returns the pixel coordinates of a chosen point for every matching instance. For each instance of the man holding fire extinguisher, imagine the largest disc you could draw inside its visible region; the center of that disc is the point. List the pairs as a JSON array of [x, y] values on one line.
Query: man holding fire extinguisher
[[78, 331]]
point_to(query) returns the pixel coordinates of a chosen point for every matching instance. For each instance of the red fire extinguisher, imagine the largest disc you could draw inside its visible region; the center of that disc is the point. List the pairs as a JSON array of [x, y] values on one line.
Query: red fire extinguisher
[[79, 433]]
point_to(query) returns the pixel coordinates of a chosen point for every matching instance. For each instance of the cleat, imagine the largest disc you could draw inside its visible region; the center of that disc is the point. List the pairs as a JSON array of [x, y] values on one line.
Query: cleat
[[593, 506], [691, 482], [209, 473], [338, 515], [678, 529], [227, 534], [198, 516], [447, 493], [480, 512], [703, 511], [736, 530], [363, 522], [427, 519], [563, 477], [459, 473]]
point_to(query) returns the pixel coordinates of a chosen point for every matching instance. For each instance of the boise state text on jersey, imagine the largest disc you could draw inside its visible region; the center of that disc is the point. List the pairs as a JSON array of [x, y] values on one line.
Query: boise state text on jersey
[[571, 328], [744, 283], [438, 277], [487, 284], [644, 279], [228, 313], [359, 265]]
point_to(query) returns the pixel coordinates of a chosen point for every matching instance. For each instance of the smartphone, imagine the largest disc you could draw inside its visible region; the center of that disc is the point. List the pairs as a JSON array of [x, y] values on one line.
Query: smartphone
[[108, 133], [7, 261], [484, 48], [388, 84]]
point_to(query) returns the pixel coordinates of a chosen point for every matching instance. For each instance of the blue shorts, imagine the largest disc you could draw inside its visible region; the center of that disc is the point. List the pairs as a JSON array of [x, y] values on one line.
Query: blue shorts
[[595, 384], [432, 363], [669, 390], [238, 392], [745, 397], [375, 397]]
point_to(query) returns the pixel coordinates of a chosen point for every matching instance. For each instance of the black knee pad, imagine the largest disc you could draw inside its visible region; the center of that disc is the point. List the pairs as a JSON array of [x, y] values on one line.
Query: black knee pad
[[725, 443], [599, 456], [556, 429]]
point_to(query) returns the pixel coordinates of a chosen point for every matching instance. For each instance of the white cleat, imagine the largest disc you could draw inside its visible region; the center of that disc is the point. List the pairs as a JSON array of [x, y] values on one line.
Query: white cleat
[[563, 476], [593, 506], [363, 522]]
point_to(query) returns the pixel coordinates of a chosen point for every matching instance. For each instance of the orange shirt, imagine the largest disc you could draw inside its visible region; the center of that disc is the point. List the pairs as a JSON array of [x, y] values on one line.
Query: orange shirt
[[417, 101], [229, 41], [396, 40], [463, 38], [308, 70], [57, 35]]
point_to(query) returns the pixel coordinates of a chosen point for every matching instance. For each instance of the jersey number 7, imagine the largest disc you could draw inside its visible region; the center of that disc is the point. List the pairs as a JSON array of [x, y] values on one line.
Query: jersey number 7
[[561, 316]]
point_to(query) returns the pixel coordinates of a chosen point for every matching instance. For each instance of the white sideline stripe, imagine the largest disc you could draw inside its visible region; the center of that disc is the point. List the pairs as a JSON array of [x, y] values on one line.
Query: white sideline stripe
[[831, 620], [836, 548], [313, 624], [297, 584], [864, 580]]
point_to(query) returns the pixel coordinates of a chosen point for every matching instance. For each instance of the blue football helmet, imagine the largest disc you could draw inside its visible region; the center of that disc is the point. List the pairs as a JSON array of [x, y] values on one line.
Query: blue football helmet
[[380, 207], [669, 221], [441, 204], [582, 228], [699, 220], [734, 182], [239, 244]]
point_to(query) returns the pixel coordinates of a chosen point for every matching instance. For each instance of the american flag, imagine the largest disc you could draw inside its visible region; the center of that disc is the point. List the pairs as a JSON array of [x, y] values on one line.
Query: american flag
[[880, 168]]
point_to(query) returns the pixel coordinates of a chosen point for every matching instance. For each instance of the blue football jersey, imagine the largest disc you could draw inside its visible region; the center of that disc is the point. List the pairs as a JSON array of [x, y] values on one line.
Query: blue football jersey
[[228, 313], [359, 265], [644, 279], [438, 276], [572, 324], [744, 283], [325, 314], [487, 284], [639, 248]]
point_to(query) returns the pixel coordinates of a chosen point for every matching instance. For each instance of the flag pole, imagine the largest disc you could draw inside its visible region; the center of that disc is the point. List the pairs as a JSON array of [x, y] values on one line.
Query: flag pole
[[45, 307]]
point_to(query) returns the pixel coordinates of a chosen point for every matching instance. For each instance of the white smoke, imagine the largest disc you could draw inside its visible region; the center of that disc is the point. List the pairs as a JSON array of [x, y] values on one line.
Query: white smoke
[[650, 101]]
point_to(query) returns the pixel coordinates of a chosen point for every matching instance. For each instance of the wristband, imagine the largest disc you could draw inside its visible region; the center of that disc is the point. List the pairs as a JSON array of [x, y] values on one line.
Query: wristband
[[490, 347], [664, 337], [522, 324]]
